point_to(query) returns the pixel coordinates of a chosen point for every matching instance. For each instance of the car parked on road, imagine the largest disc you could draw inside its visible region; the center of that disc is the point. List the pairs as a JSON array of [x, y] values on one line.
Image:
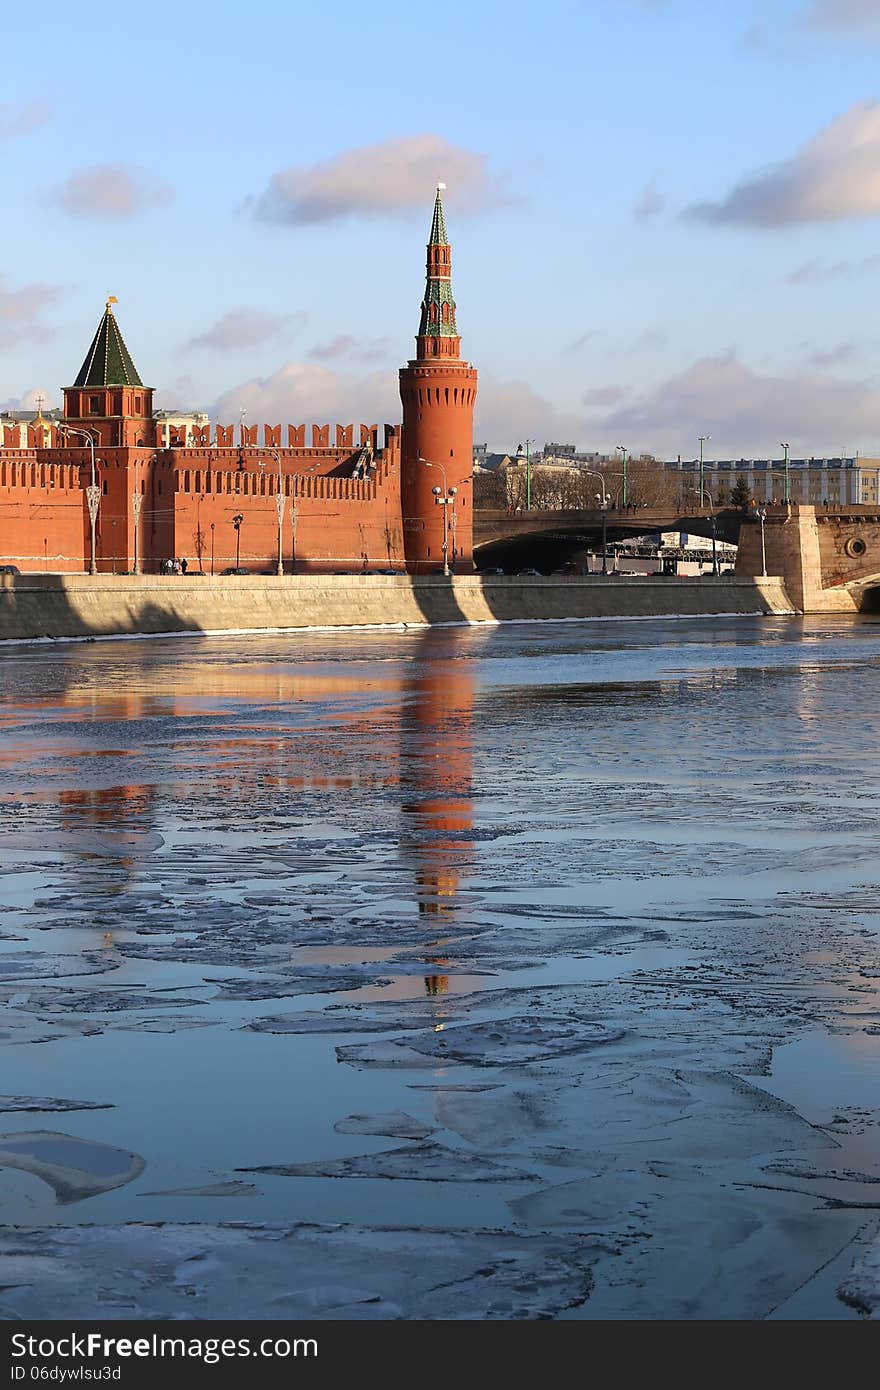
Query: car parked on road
[[494, 570], [236, 569], [536, 573]]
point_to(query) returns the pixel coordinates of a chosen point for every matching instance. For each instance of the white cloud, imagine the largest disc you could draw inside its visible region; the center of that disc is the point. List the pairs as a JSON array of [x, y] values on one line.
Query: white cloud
[[306, 391], [21, 313], [113, 191], [398, 175], [241, 328], [834, 176], [38, 396]]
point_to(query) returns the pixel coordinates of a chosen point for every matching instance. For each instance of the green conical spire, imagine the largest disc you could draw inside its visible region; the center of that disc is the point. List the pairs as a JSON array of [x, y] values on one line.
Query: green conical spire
[[438, 235], [438, 307], [108, 361]]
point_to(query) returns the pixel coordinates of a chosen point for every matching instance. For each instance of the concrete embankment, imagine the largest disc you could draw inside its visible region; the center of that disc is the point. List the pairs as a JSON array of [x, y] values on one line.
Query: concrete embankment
[[34, 606]]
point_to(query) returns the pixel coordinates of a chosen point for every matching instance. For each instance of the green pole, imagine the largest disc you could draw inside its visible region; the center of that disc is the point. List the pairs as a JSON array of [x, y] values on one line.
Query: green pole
[[528, 477], [625, 492]]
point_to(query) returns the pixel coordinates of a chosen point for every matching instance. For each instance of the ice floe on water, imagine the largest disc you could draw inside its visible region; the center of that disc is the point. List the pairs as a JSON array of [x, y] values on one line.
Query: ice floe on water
[[395, 1125], [45, 1103], [74, 1168], [303, 1271], [428, 1162], [505, 1042], [39, 965]]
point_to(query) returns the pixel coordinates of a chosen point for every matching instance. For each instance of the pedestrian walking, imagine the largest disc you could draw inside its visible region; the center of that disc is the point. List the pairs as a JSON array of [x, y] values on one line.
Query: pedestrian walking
[[183, 566]]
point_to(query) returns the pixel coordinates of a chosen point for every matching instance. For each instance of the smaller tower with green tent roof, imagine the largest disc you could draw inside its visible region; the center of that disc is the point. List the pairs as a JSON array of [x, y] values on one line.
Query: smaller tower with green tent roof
[[108, 396]]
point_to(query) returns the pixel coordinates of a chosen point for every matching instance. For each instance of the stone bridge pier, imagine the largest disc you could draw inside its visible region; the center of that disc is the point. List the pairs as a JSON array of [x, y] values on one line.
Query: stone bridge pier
[[827, 557]]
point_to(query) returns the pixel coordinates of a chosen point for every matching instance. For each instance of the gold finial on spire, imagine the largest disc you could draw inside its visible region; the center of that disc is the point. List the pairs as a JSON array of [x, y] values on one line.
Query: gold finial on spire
[[111, 299]]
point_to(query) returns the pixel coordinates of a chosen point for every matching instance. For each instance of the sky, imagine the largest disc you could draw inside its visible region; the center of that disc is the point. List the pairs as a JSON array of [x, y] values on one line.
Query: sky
[[664, 214]]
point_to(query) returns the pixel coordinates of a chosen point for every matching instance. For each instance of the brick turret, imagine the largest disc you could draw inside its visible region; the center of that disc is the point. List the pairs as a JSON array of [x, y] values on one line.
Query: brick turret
[[108, 397], [438, 391]]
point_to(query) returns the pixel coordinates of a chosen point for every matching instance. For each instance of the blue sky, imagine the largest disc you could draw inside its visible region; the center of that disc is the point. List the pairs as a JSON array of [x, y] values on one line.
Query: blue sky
[[664, 214]]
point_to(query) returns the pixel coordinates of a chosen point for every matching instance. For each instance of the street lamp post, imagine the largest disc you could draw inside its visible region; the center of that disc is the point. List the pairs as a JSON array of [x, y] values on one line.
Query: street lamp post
[[93, 493], [212, 547], [444, 497], [236, 521], [519, 452], [136, 500], [703, 438], [787, 493], [280, 501], [761, 514], [604, 500], [625, 497]]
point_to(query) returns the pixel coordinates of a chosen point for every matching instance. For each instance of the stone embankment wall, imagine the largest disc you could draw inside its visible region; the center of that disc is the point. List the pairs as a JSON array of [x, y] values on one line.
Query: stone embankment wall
[[51, 605]]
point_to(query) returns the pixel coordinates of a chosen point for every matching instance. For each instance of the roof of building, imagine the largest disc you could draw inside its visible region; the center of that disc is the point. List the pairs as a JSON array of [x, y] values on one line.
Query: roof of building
[[438, 224], [108, 361]]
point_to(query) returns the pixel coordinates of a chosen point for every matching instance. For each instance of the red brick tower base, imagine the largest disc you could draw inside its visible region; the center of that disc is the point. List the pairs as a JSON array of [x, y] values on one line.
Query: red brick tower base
[[438, 392]]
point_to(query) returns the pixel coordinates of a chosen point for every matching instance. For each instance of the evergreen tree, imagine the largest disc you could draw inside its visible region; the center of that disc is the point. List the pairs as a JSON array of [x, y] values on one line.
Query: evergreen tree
[[741, 495]]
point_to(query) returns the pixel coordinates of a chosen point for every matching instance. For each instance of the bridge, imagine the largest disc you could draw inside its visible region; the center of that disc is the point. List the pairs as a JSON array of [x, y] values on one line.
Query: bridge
[[828, 557], [549, 538]]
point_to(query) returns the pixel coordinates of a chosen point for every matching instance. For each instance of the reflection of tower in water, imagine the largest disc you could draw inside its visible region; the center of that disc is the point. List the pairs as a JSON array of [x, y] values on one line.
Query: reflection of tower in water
[[436, 767], [108, 833]]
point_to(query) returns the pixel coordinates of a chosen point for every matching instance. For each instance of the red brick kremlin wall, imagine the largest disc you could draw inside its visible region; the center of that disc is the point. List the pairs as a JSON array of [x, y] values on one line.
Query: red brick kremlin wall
[[189, 497]]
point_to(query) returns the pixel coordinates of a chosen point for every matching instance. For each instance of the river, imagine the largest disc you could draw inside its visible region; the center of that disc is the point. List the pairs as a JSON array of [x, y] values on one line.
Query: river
[[486, 972]]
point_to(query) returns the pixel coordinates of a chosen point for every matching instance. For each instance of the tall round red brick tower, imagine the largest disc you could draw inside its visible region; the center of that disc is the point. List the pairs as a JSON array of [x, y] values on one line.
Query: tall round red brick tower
[[438, 391]]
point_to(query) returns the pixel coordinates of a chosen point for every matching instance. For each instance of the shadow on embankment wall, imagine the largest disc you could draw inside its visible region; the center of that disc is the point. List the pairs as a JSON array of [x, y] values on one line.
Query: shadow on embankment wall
[[65, 606]]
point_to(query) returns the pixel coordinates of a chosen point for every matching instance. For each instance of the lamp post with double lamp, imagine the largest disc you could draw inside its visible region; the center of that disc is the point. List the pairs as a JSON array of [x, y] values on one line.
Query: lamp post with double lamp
[[280, 501], [212, 547], [787, 491], [443, 497], [93, 492], [625, 497], [604, 500], [236, 521]]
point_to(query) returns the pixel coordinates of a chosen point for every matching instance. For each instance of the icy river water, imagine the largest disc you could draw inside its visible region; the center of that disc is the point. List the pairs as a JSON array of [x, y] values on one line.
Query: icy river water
[[501, 973]]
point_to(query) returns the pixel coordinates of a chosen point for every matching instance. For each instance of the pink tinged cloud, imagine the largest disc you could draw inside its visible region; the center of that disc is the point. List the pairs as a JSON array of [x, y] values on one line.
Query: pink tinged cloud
[[113, 191], [833, 177], [19, 120], [746, 412], [21, 312], [306, 391], [393, 177], [854, 16], [242, 328], [356, 349]]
